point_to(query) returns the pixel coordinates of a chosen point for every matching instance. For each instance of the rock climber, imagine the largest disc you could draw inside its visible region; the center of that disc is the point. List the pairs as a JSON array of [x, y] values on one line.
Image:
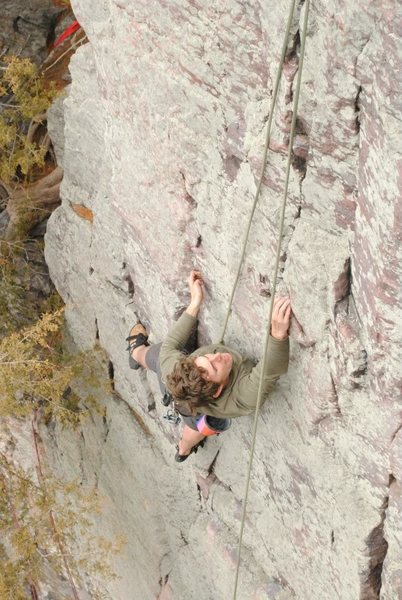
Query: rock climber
[[214, 383]]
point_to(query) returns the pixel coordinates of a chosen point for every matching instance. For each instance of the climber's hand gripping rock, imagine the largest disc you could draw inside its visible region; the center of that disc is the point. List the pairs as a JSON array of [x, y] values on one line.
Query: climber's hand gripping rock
[[281, 315]]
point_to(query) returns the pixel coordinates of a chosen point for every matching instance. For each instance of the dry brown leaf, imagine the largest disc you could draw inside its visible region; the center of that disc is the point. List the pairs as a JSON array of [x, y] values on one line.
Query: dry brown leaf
[[83, 212]]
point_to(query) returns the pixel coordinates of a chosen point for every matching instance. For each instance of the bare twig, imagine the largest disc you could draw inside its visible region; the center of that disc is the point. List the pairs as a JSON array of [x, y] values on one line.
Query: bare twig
[[72, 47], [9, 105], [24, 362]]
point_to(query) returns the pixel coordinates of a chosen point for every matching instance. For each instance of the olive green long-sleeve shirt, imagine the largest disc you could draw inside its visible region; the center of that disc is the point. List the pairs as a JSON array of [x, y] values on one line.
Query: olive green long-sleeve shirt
[[239, 397]]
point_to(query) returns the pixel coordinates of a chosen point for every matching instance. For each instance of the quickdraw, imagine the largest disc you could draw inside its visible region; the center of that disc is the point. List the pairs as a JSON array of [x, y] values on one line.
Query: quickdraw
[[172, 416]]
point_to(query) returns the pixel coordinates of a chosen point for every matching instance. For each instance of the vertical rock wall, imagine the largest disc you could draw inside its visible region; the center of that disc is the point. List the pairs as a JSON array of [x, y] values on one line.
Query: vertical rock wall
[[164, 128]]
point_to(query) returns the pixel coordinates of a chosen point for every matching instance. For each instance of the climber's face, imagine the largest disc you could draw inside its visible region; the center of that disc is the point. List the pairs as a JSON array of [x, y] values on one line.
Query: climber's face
[[216, 367]]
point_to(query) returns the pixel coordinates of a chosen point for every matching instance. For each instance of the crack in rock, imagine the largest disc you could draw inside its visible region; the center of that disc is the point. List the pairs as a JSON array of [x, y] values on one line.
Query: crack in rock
[[183, 537], [140, 421], [396, 432], [110, 370], [357, 108], [164, 592], [212, 465], [335, 398], [116, 286], [376, 552], [106, 425]]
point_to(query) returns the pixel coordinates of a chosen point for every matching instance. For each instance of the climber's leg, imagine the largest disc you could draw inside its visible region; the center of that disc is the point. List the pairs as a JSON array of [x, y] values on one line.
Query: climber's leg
[[151, 358], [189, 439], [139, 355], [196, 429]]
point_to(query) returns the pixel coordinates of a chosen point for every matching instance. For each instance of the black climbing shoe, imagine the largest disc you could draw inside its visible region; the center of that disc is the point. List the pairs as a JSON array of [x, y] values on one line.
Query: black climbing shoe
[[138, 336], [182, 457]]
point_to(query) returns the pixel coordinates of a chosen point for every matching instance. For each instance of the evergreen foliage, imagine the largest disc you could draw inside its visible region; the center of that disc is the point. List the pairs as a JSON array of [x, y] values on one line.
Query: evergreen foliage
[[21, 264], [41, 516], [38, 520], [34, 371], [25, 95]]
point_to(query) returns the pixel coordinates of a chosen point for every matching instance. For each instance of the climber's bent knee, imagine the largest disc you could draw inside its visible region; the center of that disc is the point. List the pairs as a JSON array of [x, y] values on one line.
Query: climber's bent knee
[[152, 362], [152, 358]]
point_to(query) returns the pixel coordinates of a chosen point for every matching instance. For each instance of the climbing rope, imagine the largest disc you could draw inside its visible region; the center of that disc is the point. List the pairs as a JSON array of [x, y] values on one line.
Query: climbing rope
[[263, 165], [275, 278]]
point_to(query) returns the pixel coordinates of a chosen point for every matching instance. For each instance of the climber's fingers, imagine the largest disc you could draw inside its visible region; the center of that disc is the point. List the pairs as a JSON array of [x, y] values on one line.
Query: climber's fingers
[[196, 287], [281, 314], [280, 306], [287, 314]]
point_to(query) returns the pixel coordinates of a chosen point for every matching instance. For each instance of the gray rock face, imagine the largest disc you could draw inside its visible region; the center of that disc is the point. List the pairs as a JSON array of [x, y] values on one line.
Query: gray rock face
[[164, 128]]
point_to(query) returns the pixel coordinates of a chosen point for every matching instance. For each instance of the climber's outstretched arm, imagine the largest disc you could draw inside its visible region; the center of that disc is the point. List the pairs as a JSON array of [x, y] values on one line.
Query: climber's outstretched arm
[[277, 360], [180, 331], [196, 286]]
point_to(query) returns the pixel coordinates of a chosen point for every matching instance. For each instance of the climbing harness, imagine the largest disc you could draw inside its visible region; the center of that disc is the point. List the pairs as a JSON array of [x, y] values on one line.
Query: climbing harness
[[206, 424], [278, 249]]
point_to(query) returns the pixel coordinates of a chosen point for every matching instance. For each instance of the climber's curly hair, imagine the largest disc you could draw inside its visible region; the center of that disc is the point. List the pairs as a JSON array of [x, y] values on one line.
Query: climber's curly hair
[[187, 384]]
